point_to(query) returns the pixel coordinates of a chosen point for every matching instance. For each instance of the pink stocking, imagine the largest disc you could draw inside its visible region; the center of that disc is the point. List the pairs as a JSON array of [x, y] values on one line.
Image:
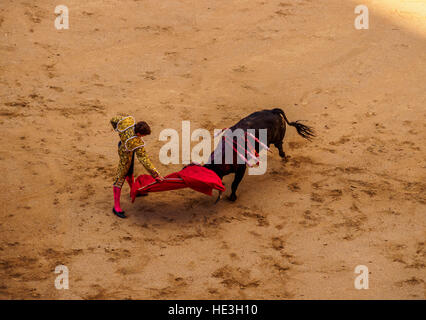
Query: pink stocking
[[117, 194]]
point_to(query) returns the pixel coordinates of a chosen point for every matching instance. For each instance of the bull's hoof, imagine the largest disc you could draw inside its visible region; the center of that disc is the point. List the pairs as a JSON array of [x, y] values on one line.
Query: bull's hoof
[[232, 197], [286, 158]]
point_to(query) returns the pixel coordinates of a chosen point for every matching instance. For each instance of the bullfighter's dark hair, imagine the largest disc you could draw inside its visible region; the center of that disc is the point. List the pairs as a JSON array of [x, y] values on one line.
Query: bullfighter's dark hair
[[142, 128]]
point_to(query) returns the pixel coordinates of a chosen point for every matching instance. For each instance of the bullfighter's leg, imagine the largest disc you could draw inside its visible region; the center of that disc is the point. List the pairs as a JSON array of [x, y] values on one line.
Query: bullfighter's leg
[[239, 174], [122, 171], [131, 179], [129, 176]]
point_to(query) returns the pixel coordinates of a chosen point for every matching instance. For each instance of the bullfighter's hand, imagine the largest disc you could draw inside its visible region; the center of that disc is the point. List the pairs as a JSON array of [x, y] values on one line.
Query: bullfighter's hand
[[159, 178]]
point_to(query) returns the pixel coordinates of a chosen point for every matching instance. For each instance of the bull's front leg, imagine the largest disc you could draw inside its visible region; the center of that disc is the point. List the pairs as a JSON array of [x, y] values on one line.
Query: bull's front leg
[[239, 174]]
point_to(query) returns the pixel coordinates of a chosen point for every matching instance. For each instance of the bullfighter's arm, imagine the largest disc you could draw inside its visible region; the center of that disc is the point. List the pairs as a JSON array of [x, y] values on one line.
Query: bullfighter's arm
[[114, 121], [146, 162]]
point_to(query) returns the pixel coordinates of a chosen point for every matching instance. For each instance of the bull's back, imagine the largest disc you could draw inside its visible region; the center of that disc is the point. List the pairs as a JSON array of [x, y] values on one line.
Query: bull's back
[[264, 119]]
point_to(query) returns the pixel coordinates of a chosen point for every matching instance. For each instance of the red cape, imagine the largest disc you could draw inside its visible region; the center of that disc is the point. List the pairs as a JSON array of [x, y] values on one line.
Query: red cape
[[195, 177]]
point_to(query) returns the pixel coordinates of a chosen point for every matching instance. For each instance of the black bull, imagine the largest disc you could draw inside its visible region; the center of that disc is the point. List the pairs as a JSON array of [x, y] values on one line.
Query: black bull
[[275, 122]]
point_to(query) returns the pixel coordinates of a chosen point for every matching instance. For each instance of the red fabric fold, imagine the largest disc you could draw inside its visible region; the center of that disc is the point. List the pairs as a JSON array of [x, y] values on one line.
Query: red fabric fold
[[195, 177]]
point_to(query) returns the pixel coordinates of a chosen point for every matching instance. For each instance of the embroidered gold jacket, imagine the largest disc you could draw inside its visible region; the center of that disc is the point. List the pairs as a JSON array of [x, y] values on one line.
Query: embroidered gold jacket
[[125, 126]]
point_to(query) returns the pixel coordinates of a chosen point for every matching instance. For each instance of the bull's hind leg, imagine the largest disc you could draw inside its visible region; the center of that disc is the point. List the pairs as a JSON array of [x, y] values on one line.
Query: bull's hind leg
[[279, 146], [280, 140], [239, 174]]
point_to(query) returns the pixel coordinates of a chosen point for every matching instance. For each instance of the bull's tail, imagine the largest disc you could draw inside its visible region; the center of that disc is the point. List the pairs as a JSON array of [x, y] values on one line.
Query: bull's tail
[[303, 130]]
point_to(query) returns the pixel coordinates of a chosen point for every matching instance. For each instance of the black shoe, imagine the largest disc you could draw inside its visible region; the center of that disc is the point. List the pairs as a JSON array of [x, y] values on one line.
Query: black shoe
[[119, 214], [140, 195]]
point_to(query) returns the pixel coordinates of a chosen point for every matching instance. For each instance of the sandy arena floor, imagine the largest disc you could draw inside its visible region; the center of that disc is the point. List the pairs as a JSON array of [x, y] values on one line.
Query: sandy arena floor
[[353, 196]]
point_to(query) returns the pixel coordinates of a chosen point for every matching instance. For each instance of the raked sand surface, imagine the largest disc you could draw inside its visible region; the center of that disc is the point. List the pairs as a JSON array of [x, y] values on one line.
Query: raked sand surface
[[353, 196]]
